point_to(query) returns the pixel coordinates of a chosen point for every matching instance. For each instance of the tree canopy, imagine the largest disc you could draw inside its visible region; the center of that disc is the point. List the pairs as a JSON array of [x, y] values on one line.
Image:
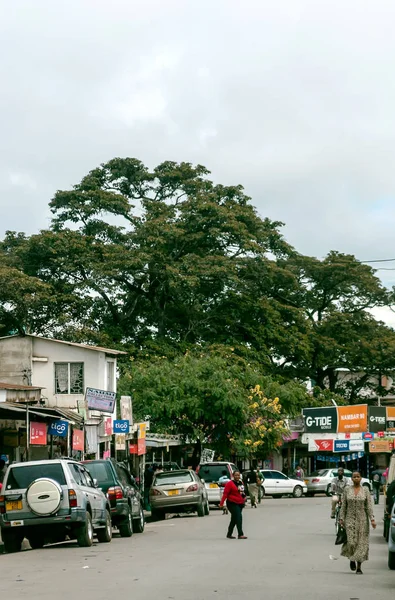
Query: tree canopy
[[163, 262]]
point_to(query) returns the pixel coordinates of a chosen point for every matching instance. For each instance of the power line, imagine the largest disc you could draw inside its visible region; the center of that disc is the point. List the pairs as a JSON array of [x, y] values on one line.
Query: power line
[[378, 261]]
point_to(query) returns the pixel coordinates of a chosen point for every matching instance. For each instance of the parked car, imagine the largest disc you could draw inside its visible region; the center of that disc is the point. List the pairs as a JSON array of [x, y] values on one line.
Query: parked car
[[211, 473], [277, 484], [320, 482], [391, 541], [166, 466], [176, 492], [387, 516], [47, 500], [127, 513]]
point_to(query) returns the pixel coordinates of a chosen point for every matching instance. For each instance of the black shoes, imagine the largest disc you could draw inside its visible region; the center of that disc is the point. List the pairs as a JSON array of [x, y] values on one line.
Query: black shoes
[[231, 537], [353, 566]]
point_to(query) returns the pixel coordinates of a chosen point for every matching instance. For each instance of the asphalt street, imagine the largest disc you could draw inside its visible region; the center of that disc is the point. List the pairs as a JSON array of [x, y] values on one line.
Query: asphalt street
[[286, 556]]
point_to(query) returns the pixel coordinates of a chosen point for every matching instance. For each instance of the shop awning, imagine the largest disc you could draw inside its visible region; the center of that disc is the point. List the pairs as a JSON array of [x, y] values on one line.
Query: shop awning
[[17, 412]]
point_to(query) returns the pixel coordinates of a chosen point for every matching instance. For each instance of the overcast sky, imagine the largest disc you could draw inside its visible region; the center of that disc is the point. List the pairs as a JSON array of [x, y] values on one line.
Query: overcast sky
[[294, 99]]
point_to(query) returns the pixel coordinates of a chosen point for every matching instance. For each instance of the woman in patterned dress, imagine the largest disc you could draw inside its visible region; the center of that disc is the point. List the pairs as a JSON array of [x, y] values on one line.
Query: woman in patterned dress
[[355, 514]]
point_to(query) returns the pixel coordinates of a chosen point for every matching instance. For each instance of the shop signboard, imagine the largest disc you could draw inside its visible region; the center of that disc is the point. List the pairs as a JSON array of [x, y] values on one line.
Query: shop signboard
[[352, 418], [121, 426], [381, 446], [78, 441], [320, 420], [125, 405], [59, 428], [320, 445], [377, 419], [100, 400], [390, 418], [341, 446], [38, 434]]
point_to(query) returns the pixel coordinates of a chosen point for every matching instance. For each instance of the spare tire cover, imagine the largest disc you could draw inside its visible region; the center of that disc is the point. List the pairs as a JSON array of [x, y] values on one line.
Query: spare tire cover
[[43, 496]]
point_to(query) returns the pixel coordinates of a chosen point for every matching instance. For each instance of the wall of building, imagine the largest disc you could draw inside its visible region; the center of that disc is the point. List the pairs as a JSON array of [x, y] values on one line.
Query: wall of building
[[15, 360], [95, 370]]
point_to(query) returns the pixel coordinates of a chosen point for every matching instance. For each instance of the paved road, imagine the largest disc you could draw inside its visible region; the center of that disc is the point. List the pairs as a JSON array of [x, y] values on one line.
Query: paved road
[[285, 557]]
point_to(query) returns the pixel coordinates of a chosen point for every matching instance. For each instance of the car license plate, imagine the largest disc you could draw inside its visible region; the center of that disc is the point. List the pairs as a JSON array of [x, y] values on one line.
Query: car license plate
[[306, 481], [15, 505], [173, 492], [213, 485], [17, 523]]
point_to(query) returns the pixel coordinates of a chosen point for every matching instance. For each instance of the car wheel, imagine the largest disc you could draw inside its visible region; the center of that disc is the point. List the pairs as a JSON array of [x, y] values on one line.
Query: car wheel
[[126, 526], [391, 561], [36, 542], [85, 532], [139, 523], [207, 508], [104, 535], [12, 542], [277, 496], [386, 529], [158, 515], [328, 490], [200, 509], [298, 491]]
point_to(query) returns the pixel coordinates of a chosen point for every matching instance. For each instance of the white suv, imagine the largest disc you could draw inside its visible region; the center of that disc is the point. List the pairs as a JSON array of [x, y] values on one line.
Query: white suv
[[47, 500]]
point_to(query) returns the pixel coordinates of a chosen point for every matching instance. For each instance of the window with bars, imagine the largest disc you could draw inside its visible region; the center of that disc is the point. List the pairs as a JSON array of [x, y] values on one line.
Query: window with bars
[[69, 378]]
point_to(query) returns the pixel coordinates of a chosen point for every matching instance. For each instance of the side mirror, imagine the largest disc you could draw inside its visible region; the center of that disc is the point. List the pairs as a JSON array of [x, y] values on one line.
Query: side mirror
[[202, 480], [95, 483]]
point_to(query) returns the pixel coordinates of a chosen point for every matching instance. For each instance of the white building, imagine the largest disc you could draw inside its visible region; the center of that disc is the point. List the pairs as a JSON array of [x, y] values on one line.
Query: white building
[[63, 370]]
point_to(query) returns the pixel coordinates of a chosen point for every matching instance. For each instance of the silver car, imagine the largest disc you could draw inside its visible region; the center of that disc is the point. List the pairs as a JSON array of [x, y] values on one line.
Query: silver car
[[320, 482], [47, 500], [176, 492]]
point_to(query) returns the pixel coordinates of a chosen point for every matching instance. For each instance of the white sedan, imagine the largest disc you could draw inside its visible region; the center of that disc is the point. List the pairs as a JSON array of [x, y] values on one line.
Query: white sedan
[[277, 484]]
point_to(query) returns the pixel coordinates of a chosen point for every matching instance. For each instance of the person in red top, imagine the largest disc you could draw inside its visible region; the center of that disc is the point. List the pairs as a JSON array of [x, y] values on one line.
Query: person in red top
[[235, 500]]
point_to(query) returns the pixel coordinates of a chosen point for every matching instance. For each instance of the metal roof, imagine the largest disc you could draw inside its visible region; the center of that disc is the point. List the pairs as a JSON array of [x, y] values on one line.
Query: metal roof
[[84, 346], [20, 387], [17, 412]]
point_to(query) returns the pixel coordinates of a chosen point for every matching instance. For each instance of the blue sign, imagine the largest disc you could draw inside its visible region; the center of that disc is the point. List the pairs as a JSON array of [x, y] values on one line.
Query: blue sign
[[341, 446], [121, 426], [367, 436], [59, 428]]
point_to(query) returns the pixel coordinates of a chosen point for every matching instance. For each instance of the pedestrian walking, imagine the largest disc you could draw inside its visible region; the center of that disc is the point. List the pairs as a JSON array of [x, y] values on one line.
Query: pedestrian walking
[[235, 497], [148, 479], [251, 480], [299, 473], [377, 481], [259, 481], [355, 514]]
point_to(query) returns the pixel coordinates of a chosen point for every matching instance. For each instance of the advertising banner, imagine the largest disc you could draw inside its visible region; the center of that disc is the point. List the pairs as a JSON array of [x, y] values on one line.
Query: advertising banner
[[125, 405], [356, 445], [381, 446], [78, 441], [100, 400], [121, 426], [320, 445], [341, 446], [352, 418], [390, 418], [38, 434], [108, 426], [59, 428], [321, 420], [377, 419]]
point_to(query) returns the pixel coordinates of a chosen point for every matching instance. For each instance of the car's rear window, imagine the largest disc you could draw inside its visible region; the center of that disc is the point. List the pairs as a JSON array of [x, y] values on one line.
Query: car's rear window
[[101, 471], [320, 473], [173, 477], [20, 478], [213, 472]]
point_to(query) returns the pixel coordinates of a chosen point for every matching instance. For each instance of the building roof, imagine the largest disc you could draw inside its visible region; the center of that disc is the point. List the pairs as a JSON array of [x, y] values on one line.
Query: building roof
[[84, 346], [17, 412], [18, 387]]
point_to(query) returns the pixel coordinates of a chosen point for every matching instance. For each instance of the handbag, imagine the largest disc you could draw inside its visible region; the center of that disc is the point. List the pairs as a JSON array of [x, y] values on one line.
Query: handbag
[[341, 537]]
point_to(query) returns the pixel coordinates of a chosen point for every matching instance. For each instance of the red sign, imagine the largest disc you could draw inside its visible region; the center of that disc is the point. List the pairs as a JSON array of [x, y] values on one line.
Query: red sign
[[38, 434], [141, 448], [108, 426], [324, 445], [133, 449], [78, 440]]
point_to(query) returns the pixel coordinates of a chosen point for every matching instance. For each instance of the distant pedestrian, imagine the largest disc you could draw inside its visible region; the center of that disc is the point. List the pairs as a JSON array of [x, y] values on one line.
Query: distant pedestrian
[[355, 514], [148, 479], [235, 497], [259, 481], [299, 473], [377, 480], [3, 469], [251, 480]]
